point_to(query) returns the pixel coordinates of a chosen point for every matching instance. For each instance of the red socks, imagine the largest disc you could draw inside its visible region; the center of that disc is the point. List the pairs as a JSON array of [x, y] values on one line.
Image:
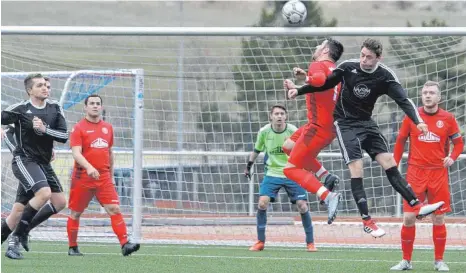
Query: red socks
[[72, 227], [119, 227], [407, 241], [306, 180], [440, 239]]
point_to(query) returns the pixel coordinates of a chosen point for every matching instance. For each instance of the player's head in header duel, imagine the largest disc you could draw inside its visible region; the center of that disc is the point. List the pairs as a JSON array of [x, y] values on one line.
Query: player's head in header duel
[[278, 114], [430, 94], [328, 49], [371, 53], [35, 86], [93, 106]]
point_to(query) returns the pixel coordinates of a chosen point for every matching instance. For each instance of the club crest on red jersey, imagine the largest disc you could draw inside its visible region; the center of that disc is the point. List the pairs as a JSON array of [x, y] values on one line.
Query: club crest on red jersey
[[439, 124], [104, 130]]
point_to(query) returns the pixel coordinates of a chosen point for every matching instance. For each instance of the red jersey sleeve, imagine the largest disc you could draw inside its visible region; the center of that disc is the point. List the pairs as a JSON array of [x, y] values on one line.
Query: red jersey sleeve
[[401, 140], [76, 137], [111, 136]]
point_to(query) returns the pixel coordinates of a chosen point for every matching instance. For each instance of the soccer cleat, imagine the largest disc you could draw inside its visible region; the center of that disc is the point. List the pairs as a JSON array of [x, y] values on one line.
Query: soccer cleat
[[371, 227], [311, 247], [332, 201], [403, 265], [74, 251], [129, 248], [258, 246], [13, 248], [425, 210], [441, 266]]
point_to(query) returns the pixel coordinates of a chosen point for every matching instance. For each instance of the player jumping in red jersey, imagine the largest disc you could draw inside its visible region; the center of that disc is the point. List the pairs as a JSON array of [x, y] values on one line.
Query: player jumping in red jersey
[[319, 132], [427, 173], [91, 144]]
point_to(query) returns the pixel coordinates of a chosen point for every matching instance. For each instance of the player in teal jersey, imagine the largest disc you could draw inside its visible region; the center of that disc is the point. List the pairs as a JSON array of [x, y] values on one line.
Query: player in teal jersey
[[270, 140]]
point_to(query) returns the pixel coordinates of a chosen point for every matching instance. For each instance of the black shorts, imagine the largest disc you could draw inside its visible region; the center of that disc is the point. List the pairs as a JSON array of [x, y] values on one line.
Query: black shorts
[[32, 177], [356, 136]]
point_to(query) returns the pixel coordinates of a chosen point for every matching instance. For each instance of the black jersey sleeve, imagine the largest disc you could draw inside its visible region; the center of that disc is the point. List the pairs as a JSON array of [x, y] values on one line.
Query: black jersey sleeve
[[11, 114], [59, 132], [9, 139], [399, 95]]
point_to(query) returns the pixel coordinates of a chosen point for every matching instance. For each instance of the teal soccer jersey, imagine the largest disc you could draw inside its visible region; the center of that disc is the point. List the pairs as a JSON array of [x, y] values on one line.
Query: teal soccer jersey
[[271, 143]]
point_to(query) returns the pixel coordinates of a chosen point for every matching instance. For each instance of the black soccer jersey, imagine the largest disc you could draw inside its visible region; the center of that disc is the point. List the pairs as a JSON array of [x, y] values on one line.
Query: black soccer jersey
[[361, 89], [30, 142]]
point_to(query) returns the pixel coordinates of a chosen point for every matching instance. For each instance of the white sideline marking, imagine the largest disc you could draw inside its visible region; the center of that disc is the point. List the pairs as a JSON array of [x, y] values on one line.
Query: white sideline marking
[[244, 257], [274, 248]]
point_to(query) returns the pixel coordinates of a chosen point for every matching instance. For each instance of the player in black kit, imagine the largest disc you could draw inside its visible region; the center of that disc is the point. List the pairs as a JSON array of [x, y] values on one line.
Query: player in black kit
[[38, 122], [364, 81]]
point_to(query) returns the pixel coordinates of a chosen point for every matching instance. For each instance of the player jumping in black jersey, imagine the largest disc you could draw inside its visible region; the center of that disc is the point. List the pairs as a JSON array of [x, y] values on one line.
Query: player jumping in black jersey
[[364, 81], [38, 122]]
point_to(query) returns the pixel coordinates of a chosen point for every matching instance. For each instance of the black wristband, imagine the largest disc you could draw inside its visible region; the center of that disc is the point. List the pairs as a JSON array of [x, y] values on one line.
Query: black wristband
[[250, 163]]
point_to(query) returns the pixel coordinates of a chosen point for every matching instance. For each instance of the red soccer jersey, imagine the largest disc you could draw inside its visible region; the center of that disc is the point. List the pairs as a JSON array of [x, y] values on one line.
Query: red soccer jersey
[[429, 151], [320, 105], [96, 140]]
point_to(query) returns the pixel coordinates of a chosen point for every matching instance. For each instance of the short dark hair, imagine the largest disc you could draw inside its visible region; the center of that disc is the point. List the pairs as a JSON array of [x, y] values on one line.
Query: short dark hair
[[93, 96], [373, 45], [28, 81], [281, 106], [336, 49], [47, 79]]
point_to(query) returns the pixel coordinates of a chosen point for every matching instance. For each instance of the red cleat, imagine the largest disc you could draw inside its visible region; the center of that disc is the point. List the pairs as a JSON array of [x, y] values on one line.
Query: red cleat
[[259, 246], [371, 227], [311, 247]]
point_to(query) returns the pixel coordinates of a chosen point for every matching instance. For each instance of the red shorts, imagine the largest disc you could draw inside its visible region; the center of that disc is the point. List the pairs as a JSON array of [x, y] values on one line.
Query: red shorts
[[82, 191], [298, 133], [430, 183], [312, 139]]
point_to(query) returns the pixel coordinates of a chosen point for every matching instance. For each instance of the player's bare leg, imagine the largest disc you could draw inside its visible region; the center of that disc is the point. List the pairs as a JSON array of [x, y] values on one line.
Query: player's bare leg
[[388, 163], [408, 234], [359, 195], [119, 227], [303, 210], [261, 223], [439, 238], [330, 180], [19, 236]]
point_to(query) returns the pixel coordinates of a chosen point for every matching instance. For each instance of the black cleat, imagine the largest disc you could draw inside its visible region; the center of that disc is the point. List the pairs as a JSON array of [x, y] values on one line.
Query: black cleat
[[330, 182], [129, 248], [13, 248], [74, 251]]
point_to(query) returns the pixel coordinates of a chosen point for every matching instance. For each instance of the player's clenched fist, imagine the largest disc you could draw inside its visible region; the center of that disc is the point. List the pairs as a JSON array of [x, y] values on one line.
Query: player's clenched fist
[[299, 74], [38, 124], [92, 172], [423, 127]]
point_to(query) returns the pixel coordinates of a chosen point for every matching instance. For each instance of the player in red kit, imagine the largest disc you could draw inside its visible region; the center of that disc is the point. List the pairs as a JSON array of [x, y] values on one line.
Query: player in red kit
[[319, 132], [427, 174], [91, 144]]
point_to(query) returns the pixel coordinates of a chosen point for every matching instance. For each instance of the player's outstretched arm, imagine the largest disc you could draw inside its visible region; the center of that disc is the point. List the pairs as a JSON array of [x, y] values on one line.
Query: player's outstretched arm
[[401, 140], [331, 81], [398, 94], [59, 132]]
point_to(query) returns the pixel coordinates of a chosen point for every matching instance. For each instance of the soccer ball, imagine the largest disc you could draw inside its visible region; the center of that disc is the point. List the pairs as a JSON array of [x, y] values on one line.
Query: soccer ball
[[294, 12]]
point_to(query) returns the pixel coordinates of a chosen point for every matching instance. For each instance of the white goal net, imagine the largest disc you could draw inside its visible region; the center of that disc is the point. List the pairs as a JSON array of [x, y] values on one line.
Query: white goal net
[[205, 99]]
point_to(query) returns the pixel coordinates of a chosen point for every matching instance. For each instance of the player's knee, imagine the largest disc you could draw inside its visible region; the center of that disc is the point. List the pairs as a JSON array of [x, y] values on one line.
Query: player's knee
[[385, 160], [263, 203], [43, 194], [58, 200], [288, 146], [302, 206], [112, 209], [356, 168], [75, 215], [438, 219], [409, 219]]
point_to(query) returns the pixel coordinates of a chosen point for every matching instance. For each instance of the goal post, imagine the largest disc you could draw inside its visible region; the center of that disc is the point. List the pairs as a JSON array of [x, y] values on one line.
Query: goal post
[[207, 93]]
